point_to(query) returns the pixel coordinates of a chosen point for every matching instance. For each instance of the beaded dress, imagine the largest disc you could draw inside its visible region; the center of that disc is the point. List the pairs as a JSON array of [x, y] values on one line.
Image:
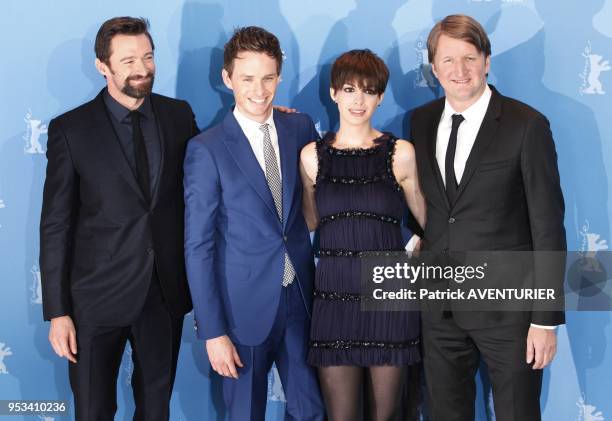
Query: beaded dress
[[360, 207]]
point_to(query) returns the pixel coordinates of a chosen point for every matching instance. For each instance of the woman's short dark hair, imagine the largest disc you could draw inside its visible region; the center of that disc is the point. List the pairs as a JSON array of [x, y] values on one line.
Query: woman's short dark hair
[[124, 25], [360, 67], [461, 27], [255, 39]]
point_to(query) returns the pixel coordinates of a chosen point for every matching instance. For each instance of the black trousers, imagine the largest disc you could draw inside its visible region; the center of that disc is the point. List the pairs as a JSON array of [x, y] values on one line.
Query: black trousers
[[155, 338], [451, 359]]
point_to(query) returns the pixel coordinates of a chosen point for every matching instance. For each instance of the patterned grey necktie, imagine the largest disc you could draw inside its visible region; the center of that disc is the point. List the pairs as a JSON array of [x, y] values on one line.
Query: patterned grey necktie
[[276, 187]]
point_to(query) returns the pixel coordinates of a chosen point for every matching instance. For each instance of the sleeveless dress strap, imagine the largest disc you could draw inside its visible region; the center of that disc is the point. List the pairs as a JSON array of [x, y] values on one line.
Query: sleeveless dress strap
[[389, 161]]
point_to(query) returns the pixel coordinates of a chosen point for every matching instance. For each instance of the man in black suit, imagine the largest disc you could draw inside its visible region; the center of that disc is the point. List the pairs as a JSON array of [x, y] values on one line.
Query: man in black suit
[[111, 231], [488, 168]]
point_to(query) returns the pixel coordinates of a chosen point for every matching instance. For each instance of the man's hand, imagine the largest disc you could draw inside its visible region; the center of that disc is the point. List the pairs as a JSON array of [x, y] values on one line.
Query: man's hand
[[419, 244], [541, 346], [285, 110], [62, 336], [223, 356]]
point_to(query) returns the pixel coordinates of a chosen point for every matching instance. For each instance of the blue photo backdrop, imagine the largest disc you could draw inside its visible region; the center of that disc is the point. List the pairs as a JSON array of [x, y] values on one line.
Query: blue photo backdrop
[[552, 55]]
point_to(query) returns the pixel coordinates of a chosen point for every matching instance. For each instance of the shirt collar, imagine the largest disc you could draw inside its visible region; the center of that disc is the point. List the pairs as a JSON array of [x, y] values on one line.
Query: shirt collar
[[121, 113], [252, 126], [474, 112]]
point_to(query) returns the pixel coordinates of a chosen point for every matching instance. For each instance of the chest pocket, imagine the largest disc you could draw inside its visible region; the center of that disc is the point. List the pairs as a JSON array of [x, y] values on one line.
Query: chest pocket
[[496, 165]]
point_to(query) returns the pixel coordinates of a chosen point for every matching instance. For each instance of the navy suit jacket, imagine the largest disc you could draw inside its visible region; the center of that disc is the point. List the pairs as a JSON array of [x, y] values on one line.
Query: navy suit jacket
[[509, 198], [234, 240], [99, 237]]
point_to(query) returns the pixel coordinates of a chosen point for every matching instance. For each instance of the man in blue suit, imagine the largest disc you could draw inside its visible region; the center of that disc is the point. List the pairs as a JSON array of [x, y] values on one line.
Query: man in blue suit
[[247, 248]]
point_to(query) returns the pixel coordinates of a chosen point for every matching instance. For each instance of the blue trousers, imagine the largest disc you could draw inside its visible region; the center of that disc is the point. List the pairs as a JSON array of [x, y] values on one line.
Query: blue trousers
[[286, 345]]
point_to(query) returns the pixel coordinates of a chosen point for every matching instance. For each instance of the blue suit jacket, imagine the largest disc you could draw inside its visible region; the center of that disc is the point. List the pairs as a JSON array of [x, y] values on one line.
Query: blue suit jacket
[[234, 241]]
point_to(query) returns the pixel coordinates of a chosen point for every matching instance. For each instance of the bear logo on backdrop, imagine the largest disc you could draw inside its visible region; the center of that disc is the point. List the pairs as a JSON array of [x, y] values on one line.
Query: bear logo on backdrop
[[36, 287], [425, 77], [490, 408], [34, 130], [128, 365], [5, 351], [594, 65], [275, 389], [587, 276], [590, 245], [2, 206], [591, 242], [588, 412], [318, 129]]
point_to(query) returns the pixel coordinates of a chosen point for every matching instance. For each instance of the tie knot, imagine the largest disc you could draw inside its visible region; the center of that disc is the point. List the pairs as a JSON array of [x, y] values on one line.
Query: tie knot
[[457, 119], [135, 116], [264, 127]]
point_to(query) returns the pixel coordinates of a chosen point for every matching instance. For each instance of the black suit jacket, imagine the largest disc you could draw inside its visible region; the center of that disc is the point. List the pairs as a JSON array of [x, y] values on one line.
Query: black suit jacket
[[99, 237], [509, 197]]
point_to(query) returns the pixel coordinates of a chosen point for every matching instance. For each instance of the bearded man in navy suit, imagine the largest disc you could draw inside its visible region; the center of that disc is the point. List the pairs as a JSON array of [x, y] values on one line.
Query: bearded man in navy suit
[[111, 230]]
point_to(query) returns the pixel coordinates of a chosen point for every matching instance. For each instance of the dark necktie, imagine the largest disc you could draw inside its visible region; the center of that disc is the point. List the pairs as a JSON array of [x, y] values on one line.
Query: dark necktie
[[449, 161], [140, 154]]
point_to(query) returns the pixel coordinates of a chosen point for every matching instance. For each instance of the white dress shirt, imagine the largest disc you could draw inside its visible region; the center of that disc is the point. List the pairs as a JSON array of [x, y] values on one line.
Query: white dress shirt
[[466, 136], [255, 136]]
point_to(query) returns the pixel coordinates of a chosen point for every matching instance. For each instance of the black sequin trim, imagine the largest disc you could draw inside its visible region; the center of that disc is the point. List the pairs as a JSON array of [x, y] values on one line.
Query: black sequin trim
[[390, 174], [358, 214], [353, 151], [378, 142], [356, 180], [336, 296], [352, 253], [340, 344], [318, 145]]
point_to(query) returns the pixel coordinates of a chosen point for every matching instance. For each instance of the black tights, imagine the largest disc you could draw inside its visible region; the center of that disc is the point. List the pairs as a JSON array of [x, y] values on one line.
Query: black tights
[[344, 386]]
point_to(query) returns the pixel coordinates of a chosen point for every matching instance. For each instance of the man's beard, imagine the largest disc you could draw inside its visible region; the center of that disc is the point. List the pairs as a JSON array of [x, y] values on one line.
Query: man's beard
[[142, 90]]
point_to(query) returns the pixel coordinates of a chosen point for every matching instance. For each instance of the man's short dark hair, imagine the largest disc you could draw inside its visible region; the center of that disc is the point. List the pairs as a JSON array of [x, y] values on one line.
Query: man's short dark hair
[[255, 39], [461, 27], [360, 67], [124, 25]]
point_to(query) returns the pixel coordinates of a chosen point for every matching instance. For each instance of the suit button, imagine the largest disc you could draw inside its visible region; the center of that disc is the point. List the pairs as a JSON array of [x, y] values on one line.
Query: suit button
[[284, 238], [451, 220], [150, 251], [445, 251]]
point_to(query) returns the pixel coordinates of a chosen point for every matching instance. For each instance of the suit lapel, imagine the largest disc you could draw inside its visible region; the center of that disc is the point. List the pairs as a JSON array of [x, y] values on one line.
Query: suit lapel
[[288, 158], [106, 135], [432, 136], [483, 139], [242, 153], [164, 124]]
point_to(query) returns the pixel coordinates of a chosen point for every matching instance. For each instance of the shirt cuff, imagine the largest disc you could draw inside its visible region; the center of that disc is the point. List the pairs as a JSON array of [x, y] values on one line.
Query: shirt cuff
[[544, 327], [412, 243]]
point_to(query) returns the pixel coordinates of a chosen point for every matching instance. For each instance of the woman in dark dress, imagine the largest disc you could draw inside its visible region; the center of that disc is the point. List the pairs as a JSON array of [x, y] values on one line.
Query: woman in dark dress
[[357, 183]]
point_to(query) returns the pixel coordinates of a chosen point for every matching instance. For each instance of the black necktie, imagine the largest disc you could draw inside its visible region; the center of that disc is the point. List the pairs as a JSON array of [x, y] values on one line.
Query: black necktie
[[449, 161], [140, 154]]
